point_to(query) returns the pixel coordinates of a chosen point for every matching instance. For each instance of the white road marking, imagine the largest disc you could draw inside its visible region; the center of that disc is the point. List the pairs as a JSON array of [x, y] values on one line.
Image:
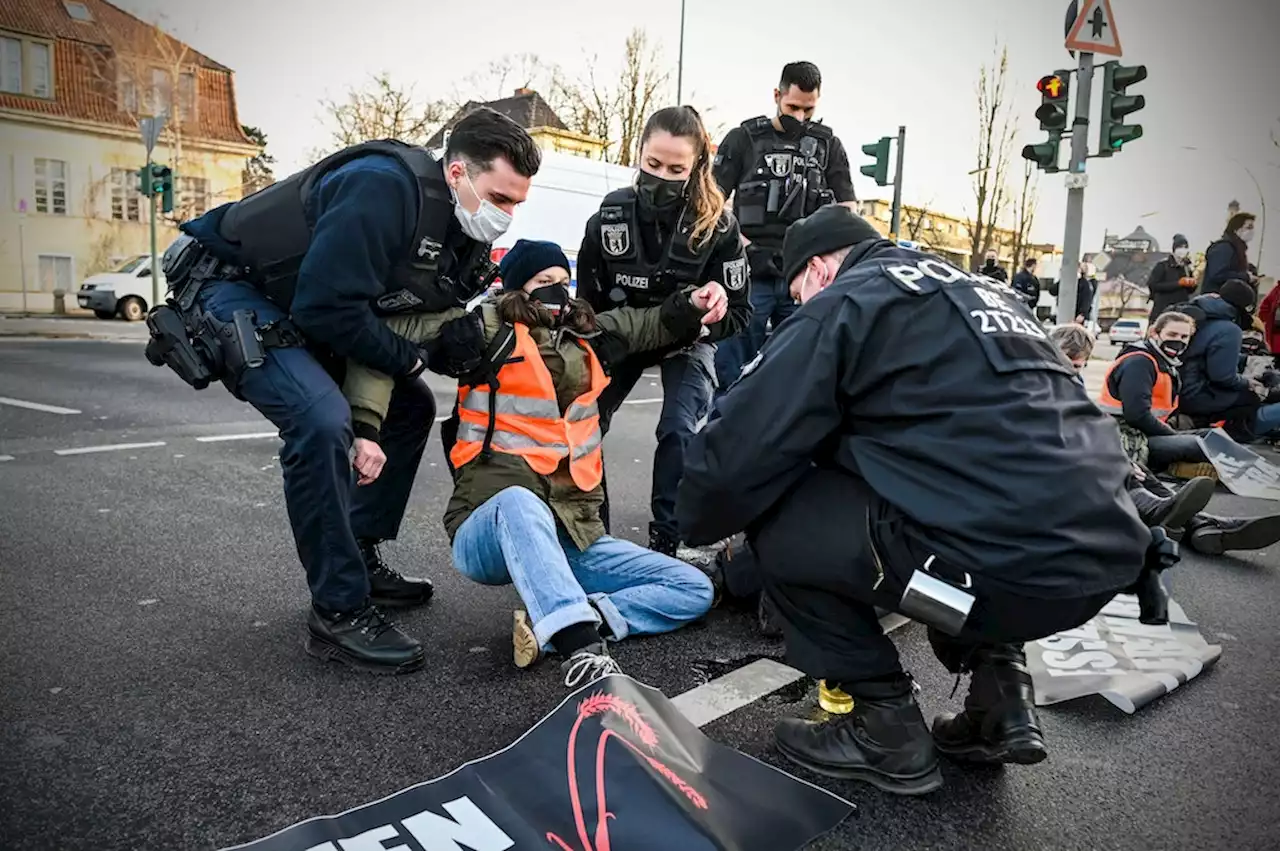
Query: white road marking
[[85, 450], [218, 438], [6, 457], [742, 687], [642, 401], [36, 406]]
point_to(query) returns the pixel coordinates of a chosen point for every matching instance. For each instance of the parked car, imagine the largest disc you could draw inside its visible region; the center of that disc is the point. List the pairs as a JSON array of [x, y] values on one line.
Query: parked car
[[1127, 330], [126, 292]]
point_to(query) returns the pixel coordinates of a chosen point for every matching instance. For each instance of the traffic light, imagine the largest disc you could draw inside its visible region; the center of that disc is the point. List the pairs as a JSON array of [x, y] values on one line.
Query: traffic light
[[1116, 105], [879, 170], [159, 181], [144, 181], [1055, 94]]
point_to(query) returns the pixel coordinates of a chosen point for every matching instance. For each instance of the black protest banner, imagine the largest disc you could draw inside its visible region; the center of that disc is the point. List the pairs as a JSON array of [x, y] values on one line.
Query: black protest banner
[[615, 767], [1127, 662], [1243, 471]]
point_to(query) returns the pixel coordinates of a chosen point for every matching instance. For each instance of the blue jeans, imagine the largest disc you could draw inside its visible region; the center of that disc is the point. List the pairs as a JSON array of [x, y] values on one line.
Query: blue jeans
[[513, 539], [771, 302], [327, 510], [688, 385], [1267, 420]]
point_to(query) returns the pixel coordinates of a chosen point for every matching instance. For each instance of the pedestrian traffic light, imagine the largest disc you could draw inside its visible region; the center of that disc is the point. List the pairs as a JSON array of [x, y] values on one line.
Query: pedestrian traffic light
[[1055, 95], [879, 170], [1116, 105]]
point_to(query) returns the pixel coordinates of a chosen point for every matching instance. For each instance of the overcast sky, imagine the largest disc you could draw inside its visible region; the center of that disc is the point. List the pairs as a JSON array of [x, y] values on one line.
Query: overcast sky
[[1214, 68]]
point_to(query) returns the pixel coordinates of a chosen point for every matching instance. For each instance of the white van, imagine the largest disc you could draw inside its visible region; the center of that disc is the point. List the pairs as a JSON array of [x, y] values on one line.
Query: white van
[[126, 292]]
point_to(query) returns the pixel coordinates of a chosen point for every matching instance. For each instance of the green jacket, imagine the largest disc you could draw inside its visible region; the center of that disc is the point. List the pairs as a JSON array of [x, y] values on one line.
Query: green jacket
[[623, 330]]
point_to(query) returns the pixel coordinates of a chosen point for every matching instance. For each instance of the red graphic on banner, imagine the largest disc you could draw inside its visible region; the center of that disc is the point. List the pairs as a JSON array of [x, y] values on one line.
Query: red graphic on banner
[[599, 704]]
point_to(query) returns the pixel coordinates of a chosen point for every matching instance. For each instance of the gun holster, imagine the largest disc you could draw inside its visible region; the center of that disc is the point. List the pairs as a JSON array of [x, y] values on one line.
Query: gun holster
[[1153, 599]]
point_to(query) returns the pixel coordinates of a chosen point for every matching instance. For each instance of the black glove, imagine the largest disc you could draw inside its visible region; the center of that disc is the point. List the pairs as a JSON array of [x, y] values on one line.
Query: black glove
[[679, 316], [611, 348], [460, 348]]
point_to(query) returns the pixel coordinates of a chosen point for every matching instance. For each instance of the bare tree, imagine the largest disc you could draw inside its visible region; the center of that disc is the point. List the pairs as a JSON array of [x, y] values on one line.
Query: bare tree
[[145, 72], [642, 81], [1024, 212], [382, 110], [258, 172], [919, 226], [995, 146]]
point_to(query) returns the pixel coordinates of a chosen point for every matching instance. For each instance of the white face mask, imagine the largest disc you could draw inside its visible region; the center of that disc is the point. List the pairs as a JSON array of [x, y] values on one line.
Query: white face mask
[[1245, 234], [1180, 253], [805, 294], [487, 223]]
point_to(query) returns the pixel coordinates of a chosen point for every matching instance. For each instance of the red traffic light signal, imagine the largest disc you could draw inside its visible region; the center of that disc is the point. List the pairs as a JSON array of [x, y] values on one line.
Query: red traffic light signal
[[1051, 86]]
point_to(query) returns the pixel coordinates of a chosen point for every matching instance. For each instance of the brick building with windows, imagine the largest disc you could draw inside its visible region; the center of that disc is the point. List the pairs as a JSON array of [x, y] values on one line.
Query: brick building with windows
[[75, 78]]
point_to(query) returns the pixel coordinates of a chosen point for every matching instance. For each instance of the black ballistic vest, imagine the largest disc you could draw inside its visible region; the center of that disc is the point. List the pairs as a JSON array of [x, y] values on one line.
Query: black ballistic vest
[[787, 178], [629, 276], [272, 234]]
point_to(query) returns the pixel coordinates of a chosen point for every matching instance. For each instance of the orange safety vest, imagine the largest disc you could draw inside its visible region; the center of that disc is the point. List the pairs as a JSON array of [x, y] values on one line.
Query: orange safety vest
[[523, 417], [1163, 401]]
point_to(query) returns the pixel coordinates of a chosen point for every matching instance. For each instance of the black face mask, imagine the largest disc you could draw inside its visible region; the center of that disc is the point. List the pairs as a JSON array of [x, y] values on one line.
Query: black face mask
[[791, 126], [657, 193], [1173, 348], [554, 297]]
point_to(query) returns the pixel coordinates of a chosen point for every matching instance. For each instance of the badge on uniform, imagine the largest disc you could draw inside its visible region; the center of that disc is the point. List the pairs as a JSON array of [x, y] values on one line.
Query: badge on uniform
[[429, 248], [752, 364], [616, 239], [735, 273], [779, 164]]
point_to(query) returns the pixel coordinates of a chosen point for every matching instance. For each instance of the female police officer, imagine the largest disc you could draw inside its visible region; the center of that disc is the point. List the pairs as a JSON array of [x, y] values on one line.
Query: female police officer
[[668, 231]]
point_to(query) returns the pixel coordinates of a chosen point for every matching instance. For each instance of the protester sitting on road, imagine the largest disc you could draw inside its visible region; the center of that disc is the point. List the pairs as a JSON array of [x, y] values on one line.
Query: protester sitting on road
[[1212, 387], [1141, 391], [1179, 512], [527, 465]]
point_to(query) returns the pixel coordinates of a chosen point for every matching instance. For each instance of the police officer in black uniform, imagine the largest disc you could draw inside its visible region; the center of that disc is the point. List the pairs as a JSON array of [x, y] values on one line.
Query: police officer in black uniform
[[779, 170], [273, 293], [647, 241], [910, 439]]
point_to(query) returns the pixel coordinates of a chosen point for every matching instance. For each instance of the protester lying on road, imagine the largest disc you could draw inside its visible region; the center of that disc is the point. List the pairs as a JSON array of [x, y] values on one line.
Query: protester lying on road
[[527, 464]]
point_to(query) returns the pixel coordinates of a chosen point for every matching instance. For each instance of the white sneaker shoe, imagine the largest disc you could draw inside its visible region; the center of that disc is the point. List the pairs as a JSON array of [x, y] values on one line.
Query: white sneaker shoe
[[588, 665]]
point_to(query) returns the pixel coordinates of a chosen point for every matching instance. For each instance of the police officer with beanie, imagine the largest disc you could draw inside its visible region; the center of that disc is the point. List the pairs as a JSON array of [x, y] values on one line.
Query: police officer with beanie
[[779, 169], [904, 441], [272, 294], [668, 231]]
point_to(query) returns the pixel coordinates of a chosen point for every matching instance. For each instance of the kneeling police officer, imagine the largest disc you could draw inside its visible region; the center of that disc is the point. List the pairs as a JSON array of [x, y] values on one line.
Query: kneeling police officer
[[272, 294], [905, 441]]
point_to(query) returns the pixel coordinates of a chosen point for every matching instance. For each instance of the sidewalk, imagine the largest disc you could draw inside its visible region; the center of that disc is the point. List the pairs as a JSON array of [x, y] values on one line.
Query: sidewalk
[[73, 328]]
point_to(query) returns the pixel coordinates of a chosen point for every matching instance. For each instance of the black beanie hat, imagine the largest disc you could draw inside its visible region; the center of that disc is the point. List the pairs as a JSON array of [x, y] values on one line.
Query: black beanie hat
[[1239, 295], [1180, 241], [527, 258], [829, 229]]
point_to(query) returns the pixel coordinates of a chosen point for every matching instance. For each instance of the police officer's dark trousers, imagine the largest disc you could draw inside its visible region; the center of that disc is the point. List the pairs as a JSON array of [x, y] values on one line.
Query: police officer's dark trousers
[[327, 510], [688, 385], [771, 303], [832, 550]]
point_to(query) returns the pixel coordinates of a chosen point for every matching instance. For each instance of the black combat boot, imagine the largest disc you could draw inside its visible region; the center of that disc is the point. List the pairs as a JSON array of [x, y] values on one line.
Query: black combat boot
[[1217, 535], [386, 586], [999, 722], [364, 639], [1175, 511], [883, 741]]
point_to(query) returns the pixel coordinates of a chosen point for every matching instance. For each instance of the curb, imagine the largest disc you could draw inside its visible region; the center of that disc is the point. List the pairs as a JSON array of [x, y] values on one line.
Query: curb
[[65, 335]]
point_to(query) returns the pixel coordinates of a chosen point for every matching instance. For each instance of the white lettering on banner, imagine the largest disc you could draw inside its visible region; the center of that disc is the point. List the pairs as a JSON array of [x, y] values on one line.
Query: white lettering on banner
[[469, 828], [324, 846], [1095, 659], [1004, 322], [636, 282]]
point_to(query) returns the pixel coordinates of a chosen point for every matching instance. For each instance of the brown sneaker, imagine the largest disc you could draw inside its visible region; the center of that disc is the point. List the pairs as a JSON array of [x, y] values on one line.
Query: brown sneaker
[[524, 644]]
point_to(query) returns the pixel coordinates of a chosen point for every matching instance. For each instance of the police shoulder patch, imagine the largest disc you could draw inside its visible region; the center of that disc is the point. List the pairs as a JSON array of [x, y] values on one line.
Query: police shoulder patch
[[735, 273]]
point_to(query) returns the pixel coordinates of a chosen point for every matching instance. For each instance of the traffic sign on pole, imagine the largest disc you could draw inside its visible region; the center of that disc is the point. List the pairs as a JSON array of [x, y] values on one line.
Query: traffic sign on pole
[[151, 128], [1095, 29]]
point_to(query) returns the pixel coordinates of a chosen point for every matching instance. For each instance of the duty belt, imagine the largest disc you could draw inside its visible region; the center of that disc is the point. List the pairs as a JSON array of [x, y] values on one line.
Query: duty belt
[[207, 268]]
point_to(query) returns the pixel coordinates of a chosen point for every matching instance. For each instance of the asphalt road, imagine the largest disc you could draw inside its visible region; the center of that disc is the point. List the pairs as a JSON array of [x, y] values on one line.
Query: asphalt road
[[156, 695]]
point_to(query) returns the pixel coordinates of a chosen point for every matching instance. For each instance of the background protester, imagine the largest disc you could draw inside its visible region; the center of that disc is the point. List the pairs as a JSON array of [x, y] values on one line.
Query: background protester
[[1171, 281], [1227, 258]]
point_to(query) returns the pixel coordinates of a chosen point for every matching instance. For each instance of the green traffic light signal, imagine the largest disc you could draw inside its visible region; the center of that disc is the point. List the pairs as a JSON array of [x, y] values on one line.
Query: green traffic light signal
[[144, 181], [879, 170], [1116, 106]]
